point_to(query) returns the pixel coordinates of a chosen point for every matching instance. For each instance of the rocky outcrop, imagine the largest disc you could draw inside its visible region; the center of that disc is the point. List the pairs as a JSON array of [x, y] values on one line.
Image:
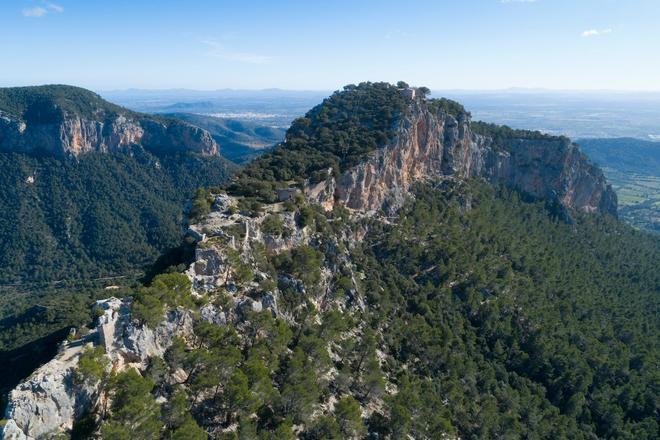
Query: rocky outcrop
[[50, 401], [128, 343], [70, 137], [432, 144]]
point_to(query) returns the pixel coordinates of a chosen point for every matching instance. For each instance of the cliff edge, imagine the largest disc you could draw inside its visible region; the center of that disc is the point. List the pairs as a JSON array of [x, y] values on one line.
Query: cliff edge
[[439, 144]]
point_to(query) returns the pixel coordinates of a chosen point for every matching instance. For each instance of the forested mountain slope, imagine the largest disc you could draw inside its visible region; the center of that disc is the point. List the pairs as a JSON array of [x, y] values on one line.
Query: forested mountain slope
[[101, 215], [89, 191], [490, 295]]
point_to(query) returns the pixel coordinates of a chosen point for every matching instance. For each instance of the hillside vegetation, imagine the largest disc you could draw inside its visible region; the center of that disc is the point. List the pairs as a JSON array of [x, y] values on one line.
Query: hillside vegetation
[[484, 317], [40, 104], [103, 215]]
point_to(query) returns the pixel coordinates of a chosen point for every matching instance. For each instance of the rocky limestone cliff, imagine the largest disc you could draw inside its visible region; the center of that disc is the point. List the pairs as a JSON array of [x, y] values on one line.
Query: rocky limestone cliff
[[48, 402], [432, 144], [75, 135], [54, 130]]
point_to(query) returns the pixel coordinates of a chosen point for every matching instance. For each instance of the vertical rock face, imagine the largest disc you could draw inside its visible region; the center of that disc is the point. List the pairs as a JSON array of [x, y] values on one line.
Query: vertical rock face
[[432, 144], [47, 403], [176, 137], [75, 135], [70, 137], [68, 121]]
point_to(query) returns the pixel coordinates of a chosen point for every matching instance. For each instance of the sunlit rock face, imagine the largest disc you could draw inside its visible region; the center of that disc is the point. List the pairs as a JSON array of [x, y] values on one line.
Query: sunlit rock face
[[72, 135], [440, 145], [48, 402]]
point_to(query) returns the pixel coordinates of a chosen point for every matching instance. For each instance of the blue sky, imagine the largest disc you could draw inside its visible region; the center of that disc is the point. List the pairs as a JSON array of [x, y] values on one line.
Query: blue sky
[[444, 44]]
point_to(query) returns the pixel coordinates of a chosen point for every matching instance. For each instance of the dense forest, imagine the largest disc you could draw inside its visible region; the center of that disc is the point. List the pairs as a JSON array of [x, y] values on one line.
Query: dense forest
[[489, 316], [99, 216], [528, 326]]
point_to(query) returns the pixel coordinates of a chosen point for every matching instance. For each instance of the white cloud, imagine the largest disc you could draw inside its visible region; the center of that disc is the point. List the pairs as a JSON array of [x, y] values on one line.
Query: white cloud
[[596, 32], [41, 11], [35, 12], [217, 50], [55, 8]]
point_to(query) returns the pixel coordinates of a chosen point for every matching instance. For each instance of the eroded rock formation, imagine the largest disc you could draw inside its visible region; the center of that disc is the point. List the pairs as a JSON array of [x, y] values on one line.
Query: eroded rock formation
[[50, 400]]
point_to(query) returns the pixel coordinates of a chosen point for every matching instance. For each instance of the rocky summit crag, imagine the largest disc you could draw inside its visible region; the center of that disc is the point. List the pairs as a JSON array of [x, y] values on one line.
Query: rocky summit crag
[[437, 143], [65, 121]]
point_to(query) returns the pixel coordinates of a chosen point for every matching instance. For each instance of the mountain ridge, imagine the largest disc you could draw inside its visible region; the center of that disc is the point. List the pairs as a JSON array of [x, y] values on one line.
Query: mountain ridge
[[333, 302], [415, 138]]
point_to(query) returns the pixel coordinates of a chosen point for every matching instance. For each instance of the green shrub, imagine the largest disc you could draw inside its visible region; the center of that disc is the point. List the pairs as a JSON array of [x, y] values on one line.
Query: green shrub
[[92, 366], [272, 225], [201, 204], [447, 106], [250, 206], [166, 291], [303, 262], [305, 217]]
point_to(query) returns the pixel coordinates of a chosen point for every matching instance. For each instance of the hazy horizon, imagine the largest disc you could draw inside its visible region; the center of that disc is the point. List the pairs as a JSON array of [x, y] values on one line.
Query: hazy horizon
[[512, 89]]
